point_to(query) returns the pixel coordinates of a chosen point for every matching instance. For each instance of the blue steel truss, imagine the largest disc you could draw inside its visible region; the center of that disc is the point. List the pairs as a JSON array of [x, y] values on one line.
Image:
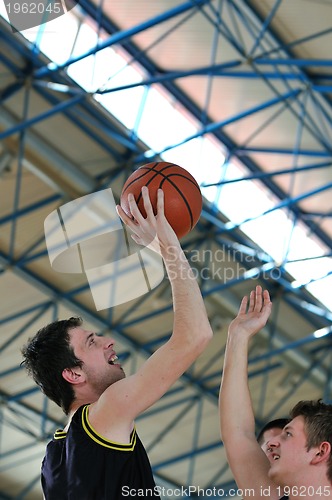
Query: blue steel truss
[[29, 70]]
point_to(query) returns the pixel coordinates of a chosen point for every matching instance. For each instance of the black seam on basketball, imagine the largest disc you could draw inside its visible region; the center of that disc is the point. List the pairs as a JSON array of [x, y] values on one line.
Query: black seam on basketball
[[192, 181], [166, 167], [181, 194], [138, 178], [147, 170], [148, 182]]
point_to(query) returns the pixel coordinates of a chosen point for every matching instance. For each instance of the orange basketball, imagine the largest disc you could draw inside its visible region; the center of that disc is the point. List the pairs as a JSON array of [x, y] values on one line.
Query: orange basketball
[[182, 195]]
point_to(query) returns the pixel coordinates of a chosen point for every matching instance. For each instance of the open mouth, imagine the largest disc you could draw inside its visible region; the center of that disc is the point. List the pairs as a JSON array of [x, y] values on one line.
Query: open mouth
[[112, 359]]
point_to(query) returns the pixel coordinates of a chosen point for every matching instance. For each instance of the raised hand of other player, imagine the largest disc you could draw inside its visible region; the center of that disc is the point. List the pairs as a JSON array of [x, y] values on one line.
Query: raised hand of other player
[[252, 317]]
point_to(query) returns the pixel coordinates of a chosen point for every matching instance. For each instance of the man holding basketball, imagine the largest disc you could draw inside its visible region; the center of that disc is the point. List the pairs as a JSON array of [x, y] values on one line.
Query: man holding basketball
[[99, 456], [298, 461]]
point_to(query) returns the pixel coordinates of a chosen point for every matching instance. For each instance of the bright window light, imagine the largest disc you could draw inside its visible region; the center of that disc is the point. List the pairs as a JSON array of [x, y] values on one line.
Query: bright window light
[[322, 332], [56, 38], [162, 126]]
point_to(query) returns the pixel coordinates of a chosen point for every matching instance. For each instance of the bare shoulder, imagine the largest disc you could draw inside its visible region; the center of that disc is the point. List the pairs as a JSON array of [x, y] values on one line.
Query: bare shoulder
[[108, 416]]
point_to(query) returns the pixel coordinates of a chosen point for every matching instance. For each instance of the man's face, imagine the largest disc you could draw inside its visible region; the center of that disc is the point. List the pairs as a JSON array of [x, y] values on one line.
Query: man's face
[[289, 456], [268, 436], [99, 358]]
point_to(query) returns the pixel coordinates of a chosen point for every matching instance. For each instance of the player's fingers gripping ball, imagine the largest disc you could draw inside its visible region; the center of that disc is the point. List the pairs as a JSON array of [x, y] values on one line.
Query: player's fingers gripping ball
[[182, 195]]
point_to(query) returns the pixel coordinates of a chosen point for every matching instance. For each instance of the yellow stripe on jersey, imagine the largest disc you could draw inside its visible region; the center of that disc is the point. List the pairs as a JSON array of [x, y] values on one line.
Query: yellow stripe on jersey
[[103, 441], [60, 434]]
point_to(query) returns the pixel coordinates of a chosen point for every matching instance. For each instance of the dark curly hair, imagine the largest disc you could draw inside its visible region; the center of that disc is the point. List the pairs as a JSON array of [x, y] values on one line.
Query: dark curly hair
[[47, 354]]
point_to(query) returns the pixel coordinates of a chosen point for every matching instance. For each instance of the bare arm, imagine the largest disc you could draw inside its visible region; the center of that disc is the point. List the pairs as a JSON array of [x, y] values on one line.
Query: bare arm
[[247, 461], [191, 328]]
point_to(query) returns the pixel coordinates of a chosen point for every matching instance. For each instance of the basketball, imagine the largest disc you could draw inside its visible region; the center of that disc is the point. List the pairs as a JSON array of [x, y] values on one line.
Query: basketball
[[182, 195]]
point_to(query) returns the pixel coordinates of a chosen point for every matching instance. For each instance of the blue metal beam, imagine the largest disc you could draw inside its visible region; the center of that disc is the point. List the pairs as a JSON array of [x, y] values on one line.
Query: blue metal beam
[[175, 420], [23, 312], [96, 119], [10, 90], [18, 183], [285, 48], [264, 28], [274, 173], [21, 330], [292, 390], [193, 108], [212, 127], [215, 70], [59, 108], [323, 153], [122, 36], [322, 89], [273, 40], [90, 119], [294, 43], [252, 374], [21, 212], [301, 63], [185, 456]]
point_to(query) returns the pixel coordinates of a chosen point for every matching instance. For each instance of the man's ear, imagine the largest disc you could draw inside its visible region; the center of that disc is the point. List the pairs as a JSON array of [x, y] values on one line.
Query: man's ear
[[73, 375], [323, 453]]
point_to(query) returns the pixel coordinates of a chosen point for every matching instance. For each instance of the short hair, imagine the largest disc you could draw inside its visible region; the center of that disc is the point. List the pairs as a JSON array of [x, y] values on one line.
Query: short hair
[[47, 354], [317, 423], [278, 423]]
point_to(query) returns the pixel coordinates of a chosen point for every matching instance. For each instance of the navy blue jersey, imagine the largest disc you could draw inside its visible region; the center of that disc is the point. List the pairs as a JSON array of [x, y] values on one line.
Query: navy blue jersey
[[82, 465]]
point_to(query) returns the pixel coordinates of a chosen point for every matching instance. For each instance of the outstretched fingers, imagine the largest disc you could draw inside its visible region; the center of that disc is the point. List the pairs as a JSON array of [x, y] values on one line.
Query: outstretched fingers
[[252, 300], [123, 216], [254, 311], [147, 202], [160, 202], [243, 306], [150, 215], [134, 210], [266, 300], [144, 228], [259, 300]]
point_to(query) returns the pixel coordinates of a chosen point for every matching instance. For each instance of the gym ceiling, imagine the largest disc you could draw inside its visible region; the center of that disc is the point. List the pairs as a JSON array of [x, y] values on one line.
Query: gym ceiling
[[255, 78]]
